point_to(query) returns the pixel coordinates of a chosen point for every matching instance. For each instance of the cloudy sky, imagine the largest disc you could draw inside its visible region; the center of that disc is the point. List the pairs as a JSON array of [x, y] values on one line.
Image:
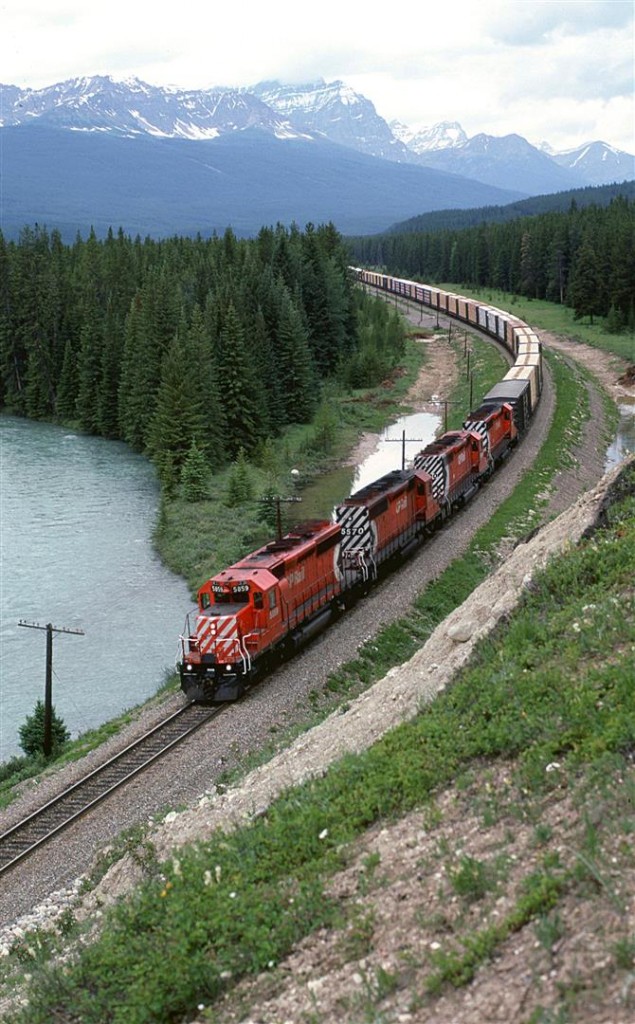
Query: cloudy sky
[[553, 71]]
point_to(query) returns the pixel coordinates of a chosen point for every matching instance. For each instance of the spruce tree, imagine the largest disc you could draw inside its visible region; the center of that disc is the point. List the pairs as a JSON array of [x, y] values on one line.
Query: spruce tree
[[584, 287], [242, 394], [195, 475], [31, 733], [296, 373], [240, 486]]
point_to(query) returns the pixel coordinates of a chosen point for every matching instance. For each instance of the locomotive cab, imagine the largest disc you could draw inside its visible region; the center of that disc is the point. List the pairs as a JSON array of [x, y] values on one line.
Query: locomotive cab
[[233, 612]]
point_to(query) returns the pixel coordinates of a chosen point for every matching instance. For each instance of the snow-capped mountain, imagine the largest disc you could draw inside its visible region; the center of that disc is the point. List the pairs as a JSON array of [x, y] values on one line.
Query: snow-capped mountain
[[509, 161], [444, 135], [134, 108], [314, 110], [334, 111], [106, 153], [598, 162]]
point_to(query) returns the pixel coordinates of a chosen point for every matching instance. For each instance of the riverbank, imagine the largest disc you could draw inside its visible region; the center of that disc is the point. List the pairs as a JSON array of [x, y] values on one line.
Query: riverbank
[[253, 726], [411, 892]]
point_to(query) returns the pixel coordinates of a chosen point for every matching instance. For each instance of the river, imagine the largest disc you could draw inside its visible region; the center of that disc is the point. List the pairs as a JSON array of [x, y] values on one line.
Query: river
[[76, 518]]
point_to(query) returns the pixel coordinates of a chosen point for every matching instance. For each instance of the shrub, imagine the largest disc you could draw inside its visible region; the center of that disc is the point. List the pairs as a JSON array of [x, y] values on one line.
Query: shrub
[[32, 732]]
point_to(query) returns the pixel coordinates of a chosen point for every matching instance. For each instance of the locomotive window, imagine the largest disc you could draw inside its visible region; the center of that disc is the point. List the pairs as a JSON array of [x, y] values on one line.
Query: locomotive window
[[204, 599], [272, 599], [257, 599], [223, 598], [240, 596]]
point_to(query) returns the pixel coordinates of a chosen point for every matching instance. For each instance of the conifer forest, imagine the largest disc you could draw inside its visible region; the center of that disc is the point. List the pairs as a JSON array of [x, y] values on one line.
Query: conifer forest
[[215, 344], [583, 258]]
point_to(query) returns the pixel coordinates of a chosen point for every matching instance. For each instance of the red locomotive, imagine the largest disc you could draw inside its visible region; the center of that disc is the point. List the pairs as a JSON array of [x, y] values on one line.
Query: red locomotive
[[278, 597], [267, 603]]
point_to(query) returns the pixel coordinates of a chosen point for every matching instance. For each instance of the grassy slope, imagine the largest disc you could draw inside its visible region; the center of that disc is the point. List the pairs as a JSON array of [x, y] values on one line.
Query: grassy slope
[[555, 686], [585, 597]]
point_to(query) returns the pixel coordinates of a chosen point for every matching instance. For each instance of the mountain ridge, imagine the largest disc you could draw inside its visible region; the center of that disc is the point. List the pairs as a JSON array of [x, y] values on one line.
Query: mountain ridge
[[331, 110], [269, 153]]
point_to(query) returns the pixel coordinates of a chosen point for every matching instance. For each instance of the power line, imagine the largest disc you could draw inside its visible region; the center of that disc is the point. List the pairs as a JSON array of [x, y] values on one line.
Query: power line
[[48, 685]]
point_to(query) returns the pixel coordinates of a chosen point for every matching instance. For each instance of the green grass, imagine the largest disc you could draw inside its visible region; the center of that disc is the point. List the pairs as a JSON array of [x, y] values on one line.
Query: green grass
[[21, 768], [238, 904], [555, 318], [557, 684]]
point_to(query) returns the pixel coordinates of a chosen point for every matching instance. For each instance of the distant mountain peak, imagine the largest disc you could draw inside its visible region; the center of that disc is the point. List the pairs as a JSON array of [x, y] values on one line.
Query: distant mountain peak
[[318, 110], [442, 135]]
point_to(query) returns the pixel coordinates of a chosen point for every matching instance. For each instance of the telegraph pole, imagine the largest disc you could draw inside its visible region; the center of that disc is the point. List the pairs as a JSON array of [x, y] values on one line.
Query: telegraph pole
[[48, 686], [402, 441], [275, 499]]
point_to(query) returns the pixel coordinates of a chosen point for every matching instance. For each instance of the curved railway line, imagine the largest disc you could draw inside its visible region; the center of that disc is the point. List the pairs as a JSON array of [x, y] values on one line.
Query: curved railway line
[[40, 826], [46, 822]]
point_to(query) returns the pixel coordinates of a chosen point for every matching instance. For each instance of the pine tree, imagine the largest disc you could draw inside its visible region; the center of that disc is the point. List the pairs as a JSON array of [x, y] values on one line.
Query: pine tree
[[67, 388], [241, 393], [296, 374], [240, 487], [584, 293], [32, 732], [195, 475]]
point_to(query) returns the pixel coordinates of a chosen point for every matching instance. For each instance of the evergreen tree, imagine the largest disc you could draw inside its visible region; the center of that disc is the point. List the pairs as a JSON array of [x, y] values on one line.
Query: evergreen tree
[[240, 487], [179, 416], [195, 475], [89, 372], [31, 733], [68, 386], [584, 287], [296, 374], [242, 393]]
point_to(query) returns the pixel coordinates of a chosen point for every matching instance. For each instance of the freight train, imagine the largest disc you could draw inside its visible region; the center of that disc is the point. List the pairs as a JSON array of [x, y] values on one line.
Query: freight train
[[261, 609]]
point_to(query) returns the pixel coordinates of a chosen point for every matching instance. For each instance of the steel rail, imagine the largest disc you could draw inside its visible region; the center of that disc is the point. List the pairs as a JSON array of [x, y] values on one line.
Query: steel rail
[[40, 826]]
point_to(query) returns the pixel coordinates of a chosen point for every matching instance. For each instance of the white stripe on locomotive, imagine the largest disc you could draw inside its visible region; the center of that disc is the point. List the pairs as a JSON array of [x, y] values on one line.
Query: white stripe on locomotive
[[436, 466]]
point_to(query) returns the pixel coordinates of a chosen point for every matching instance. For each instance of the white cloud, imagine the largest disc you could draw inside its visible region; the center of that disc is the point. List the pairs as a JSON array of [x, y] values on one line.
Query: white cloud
[[555, 70]]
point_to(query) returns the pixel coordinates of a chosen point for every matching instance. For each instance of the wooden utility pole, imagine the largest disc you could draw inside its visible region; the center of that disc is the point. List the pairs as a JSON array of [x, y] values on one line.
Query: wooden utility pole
[[402, 441], [48, 685], [276, 500]]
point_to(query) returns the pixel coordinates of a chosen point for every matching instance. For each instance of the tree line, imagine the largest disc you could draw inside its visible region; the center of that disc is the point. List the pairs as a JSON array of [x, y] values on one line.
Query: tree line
[[582, 258], [213, 344]]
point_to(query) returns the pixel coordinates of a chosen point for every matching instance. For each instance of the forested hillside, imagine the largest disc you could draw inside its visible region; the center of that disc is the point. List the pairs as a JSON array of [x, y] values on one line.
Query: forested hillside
[[554, 202], [184, 346], [582, 258]]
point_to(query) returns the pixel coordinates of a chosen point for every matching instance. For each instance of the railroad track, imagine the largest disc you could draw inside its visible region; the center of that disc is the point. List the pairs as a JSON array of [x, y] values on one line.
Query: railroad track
[[36, 829]]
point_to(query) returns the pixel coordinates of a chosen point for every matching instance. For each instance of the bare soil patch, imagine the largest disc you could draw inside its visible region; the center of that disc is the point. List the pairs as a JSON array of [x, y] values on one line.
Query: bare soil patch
[[396, 891]]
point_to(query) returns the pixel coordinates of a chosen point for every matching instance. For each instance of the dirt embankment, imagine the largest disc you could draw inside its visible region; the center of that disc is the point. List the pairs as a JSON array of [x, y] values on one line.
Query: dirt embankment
[[318, 979]]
